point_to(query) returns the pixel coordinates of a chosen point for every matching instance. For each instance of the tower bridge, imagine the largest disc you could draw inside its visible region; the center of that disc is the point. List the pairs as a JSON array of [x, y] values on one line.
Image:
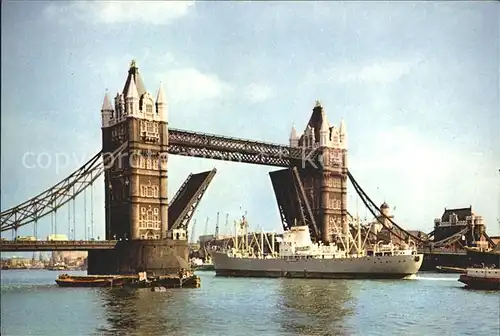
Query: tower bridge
[[146, 231]]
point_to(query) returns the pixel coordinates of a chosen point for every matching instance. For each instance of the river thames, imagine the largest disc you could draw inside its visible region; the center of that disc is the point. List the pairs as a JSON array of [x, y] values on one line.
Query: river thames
[[431, 304]]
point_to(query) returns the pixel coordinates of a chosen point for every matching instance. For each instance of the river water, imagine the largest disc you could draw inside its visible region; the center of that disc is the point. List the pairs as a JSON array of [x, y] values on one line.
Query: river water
[[430, 304]]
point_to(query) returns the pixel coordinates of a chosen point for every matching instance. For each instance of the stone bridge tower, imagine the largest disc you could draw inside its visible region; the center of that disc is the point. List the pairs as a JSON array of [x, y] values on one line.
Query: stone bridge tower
[[326, 185], [136, 199], [136, 184]]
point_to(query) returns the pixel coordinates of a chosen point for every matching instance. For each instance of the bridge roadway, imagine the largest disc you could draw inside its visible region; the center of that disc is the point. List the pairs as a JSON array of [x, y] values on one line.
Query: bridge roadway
[[60, 245]]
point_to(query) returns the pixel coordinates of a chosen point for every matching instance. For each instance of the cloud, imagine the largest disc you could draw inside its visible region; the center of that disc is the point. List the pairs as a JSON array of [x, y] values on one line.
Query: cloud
[[191, 85], [420, 175], [258, 92], [145, 12], [377, 72], [400, 150]]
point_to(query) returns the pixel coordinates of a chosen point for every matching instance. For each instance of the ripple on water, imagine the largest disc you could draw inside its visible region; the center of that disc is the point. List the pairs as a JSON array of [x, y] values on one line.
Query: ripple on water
[[430, 304]]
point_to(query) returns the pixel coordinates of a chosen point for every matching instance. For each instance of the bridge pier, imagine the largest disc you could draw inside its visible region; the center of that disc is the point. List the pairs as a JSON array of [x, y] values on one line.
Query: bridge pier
[[158, 256]]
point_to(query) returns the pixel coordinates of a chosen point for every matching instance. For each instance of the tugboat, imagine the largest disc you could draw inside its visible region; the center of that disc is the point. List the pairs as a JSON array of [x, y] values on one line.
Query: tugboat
[[481, 278], [200, 265]]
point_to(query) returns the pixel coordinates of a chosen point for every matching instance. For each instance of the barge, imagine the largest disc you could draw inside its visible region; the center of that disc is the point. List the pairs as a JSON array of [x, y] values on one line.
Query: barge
[[184, 279], [65, 280]]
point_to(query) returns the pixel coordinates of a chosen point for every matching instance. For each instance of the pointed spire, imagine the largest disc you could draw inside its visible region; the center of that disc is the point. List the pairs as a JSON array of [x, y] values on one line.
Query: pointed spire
[[106, 112], [324, 132], [343, 134], [325, 125], [134, 76], [160, 97], [342, 130], [294, 139], [293, 133], [161, 104], [132, 90], [106, 104]]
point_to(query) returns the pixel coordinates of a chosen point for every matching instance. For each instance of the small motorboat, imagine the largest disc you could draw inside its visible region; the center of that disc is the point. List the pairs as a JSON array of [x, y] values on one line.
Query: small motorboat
[[481, 278]]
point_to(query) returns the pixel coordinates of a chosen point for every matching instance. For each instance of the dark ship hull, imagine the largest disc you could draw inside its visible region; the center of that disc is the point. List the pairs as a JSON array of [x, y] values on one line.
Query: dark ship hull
[[460, 259], [488, 258]]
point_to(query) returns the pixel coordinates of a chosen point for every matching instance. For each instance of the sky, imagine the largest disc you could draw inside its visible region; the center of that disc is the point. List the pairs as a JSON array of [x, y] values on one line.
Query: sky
[[417, 85]]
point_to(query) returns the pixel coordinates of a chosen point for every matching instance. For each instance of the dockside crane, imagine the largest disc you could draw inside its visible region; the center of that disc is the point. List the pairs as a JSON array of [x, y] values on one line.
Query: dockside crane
[[191, 239]]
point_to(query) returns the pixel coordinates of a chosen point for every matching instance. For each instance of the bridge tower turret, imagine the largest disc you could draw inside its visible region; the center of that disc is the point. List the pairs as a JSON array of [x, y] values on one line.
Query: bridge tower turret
[[107, 112], [294, 139], [136, 184], [136, 199], [327, 185]]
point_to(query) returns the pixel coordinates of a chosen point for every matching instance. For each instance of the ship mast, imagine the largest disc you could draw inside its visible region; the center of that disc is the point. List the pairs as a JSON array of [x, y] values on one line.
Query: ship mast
[[359, 227], [245, 231], [192, 231], [347, 236], [217, 227], [236, 245]]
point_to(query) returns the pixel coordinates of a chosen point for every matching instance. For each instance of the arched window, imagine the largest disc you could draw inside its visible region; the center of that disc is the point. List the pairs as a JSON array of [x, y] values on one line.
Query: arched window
[[147, 104], [149, 109]]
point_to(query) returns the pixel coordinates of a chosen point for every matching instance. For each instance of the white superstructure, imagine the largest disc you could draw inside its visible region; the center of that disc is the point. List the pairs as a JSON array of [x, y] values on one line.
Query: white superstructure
[[487, 273]]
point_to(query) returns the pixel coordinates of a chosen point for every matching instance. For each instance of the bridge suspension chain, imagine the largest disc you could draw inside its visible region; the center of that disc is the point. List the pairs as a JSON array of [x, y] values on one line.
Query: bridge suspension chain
[[85, 214], [92, 211], [69, 221], [371, 206], [58, 195], [73, 230]]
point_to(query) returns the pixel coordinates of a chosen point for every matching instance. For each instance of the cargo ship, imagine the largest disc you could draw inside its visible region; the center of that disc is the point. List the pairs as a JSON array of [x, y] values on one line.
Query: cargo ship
[[481, 278], [299, 257], [487, 257]]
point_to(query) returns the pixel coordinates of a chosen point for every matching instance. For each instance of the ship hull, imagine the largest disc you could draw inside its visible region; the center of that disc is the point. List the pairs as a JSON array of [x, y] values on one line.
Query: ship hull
[[90, 283], [480, 283], [462, 259], [389, 267]]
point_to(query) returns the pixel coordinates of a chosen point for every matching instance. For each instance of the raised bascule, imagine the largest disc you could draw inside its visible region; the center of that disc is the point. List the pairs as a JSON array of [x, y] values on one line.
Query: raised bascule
[[147, 232]]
